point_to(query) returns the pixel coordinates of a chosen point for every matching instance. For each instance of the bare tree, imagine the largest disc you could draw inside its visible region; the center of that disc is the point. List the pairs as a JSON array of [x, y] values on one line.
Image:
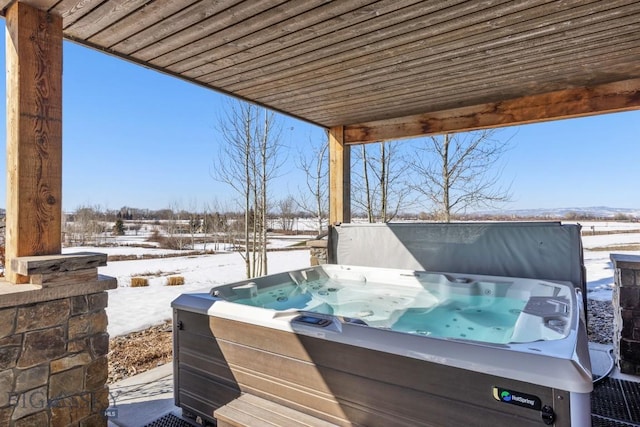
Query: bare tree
[[234, 162], [458, 171], [215, 222], [248, 160], [380, 190], [365, 186], [287, 214], [314, 198], [176, 227], [86, 227], [271, 160]]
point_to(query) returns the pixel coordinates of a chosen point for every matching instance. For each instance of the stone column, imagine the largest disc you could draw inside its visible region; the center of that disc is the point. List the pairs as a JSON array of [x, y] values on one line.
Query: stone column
[[626, 306], [54, 343], [318, 251]]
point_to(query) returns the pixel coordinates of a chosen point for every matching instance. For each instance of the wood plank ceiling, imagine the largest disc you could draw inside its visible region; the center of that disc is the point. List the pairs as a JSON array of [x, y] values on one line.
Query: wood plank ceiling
[[356, 61]]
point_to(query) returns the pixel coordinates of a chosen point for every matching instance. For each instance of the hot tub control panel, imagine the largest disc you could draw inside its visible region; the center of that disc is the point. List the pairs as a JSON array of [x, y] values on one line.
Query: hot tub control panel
[[323, 320], [312, 320]]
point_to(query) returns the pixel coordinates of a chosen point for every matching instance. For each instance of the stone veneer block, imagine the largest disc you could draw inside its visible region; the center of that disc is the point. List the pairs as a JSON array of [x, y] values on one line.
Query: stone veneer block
[[629, 368], [5, 415], [68, 362], [78, 346], [100, 344], [79, 305], [66, 383], [30, 402], [11, 341], [32, 378], [7, 321], [95, 420], [627, 278], [9, 356], [42, 346], [36, 420], [98, 301], [70, 410], [101, 399], [6, 383], [629, 297], [42, 315], [97, 373], [630, 351], [318, 251], [87, 324]]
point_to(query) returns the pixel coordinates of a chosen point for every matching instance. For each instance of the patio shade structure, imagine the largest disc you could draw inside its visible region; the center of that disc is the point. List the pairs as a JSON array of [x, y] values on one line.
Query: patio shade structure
[[365, 70]]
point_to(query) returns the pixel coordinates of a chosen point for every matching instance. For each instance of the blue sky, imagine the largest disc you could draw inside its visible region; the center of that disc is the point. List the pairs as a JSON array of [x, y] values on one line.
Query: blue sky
[[135, 137]]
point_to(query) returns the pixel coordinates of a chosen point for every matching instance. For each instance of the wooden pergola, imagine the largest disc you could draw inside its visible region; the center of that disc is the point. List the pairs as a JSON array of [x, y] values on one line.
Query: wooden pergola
[[365, 70]]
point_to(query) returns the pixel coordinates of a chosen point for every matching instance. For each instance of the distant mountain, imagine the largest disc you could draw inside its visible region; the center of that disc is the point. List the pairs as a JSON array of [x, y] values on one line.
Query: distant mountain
[[593, 211]]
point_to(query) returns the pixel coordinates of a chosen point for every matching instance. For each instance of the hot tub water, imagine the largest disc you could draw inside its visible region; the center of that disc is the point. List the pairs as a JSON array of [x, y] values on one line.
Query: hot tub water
[[488, 318]]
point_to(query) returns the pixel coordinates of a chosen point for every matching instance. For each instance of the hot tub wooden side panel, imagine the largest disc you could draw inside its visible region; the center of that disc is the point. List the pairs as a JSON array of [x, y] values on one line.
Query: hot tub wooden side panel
[[203, 381], [349, 385]]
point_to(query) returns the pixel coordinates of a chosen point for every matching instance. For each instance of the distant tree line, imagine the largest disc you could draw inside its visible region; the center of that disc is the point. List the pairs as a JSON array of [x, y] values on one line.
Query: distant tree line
[[436, 178]]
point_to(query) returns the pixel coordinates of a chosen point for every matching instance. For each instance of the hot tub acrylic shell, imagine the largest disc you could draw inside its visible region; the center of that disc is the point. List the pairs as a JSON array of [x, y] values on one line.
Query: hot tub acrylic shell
[[352, 374]]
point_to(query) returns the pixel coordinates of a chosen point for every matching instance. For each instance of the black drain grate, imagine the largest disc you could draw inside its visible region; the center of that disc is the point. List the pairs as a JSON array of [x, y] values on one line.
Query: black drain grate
[[170, 420], [597, 421], [615, 403], [632, 395], [607, 400]]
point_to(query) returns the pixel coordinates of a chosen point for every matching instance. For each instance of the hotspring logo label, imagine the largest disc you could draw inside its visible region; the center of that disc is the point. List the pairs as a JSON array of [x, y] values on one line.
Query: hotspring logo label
[[517, 398]]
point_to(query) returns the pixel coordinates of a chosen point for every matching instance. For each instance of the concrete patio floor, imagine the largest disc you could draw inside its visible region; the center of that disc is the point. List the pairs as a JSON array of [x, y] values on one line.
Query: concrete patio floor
[[143, 399]]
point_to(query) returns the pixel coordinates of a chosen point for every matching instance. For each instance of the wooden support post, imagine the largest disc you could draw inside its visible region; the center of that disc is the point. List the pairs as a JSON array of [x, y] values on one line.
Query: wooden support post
[[339, 177], [34, 134]]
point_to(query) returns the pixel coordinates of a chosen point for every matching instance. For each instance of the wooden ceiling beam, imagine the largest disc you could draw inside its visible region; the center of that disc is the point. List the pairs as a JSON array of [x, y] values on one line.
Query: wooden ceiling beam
[[576, 102]]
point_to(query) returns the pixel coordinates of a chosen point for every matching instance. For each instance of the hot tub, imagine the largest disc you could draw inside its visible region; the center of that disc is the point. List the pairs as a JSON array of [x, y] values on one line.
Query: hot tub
[[377, 346]]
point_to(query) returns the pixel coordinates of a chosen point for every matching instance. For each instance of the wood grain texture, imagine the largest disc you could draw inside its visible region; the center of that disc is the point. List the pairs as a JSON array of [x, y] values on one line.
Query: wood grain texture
[[64, 278], [285, 37], [34, 134], [104, 16], [249, 410], [198, 51], [620, 96], [180, 22], [233, 18], [343, 63], [145, 16], [450, 63], [73, 10], [339, 177], [58, 263], [339, 383]]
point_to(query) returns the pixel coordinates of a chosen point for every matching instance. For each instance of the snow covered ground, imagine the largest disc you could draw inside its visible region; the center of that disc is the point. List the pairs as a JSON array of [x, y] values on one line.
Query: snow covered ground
[[598, 262], [132, 309]]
